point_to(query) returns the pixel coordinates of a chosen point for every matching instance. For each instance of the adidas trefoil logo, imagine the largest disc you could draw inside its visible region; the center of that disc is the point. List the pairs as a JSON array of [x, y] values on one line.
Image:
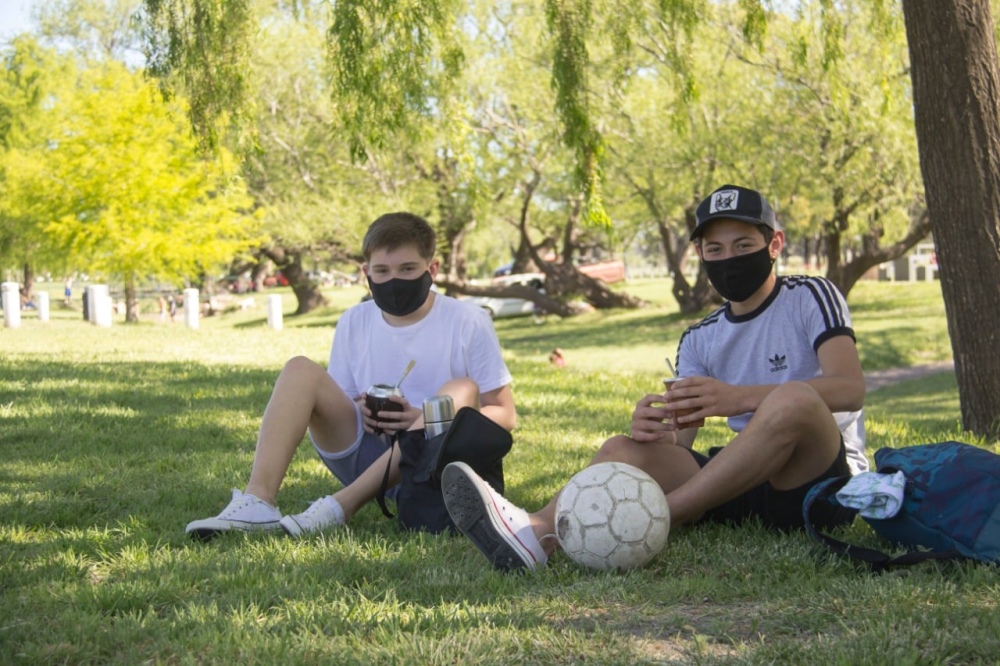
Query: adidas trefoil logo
[[778, 363]]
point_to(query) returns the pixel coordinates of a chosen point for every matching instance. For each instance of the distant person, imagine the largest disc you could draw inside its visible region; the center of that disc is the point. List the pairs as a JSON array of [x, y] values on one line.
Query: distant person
[[456, 352], [778, 361], [172, 306], [162, 305], [68, 291]]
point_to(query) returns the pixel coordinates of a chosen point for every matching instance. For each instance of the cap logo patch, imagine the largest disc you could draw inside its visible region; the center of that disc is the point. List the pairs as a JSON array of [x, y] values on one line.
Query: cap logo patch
[[724, 200]]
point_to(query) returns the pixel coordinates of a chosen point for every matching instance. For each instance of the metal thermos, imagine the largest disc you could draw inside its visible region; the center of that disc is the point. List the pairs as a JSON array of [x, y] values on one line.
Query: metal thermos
[[438, 414]]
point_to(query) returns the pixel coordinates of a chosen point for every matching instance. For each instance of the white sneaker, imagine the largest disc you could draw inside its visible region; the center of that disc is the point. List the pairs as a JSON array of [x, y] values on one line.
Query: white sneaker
[[500, 530], [244, 513], [324, 512]]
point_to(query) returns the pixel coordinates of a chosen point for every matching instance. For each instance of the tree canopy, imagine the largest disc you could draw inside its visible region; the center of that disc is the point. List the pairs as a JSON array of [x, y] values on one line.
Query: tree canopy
[[120, 188], [855, 165]]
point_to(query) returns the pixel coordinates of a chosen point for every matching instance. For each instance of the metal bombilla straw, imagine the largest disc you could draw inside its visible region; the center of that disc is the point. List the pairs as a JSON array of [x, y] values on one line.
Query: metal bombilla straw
[[409, 366]]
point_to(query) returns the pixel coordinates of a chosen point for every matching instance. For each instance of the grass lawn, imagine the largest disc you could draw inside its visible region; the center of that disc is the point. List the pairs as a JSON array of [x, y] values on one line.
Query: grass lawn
[[111, 440]]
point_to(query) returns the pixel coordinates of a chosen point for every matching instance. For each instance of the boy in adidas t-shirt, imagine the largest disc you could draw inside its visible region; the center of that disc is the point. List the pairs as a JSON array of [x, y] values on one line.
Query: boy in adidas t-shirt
[[456, 353], [778, 360]]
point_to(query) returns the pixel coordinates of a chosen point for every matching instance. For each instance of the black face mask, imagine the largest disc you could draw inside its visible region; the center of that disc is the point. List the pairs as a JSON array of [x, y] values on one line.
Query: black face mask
[[737, 278], [399, 297]]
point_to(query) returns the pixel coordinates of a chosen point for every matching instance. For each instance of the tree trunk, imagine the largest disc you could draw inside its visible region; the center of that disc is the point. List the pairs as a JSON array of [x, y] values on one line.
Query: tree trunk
[[565, 280], [956, 85], [690, 298], [872, 254], [307, 293], [28, 288], [545, 303], [131, 302]]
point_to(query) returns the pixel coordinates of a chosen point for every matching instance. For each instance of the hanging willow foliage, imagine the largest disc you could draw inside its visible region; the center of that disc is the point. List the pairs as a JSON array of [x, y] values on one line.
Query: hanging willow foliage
[[394, 64], [202, 48]]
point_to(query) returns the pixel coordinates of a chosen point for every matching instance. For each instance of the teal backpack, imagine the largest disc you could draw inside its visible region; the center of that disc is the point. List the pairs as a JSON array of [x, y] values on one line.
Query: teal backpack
[[950, 509]]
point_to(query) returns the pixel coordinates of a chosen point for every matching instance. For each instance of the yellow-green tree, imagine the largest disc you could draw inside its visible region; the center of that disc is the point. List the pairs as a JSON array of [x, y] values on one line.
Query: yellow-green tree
[[29, 75], [117, 185]]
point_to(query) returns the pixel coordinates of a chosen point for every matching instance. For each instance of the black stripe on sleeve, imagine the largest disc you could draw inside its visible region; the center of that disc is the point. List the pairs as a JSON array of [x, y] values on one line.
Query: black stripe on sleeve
[[824, 293]]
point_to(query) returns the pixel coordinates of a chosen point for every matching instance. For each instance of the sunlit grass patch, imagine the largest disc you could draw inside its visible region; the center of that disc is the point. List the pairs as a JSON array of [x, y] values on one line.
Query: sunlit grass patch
[[111, 440]]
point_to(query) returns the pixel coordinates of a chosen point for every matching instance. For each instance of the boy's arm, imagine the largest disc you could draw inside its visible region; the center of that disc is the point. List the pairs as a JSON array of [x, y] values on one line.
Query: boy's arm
[[842, 384], [498, 405]]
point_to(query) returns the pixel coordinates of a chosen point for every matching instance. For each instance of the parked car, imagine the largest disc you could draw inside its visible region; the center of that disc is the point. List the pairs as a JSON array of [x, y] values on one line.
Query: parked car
[[609, 271], [276, 280], [498, 307]]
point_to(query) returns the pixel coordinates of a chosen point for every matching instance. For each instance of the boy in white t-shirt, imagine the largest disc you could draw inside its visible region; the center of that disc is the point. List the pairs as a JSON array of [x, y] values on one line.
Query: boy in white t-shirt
[[778, 360], [456, 353]]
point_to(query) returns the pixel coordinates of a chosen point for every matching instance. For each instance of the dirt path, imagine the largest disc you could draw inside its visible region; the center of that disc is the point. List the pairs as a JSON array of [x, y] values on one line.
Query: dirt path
[[881, 378]]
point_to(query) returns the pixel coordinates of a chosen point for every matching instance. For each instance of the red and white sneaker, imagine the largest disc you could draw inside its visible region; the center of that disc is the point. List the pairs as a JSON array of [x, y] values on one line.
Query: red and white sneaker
[[500, 530]]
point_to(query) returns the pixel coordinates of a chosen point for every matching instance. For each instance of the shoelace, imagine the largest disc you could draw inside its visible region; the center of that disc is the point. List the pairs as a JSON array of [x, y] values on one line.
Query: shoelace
[[314, 508], [242, 503]]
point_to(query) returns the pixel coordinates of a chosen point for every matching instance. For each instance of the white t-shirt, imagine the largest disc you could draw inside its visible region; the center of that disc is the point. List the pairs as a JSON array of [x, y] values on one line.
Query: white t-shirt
[[454, 340], [775, 344]]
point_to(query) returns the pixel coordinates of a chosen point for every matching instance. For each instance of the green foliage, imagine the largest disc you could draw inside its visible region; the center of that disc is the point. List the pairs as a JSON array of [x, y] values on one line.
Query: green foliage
[[32, 78], [570, 22], [755, 24], [299, 169], [28, 74], [202, 49], [392, 61], [120, 187]]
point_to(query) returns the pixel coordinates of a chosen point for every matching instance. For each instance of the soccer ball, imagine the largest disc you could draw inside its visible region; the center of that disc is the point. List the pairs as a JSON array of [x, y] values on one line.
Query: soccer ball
[[612, 516]]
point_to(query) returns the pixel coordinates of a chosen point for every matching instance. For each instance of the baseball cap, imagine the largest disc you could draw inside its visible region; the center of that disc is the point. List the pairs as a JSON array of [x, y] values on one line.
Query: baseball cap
[[732, 202]]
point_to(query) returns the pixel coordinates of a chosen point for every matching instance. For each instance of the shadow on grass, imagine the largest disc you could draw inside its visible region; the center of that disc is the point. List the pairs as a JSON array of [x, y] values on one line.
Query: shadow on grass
[[89, 444], [927, 407], [95, 445], [886, 349], [619, 329]]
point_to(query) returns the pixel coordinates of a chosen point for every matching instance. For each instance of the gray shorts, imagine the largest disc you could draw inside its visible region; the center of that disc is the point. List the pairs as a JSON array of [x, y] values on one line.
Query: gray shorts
[[348, 465]]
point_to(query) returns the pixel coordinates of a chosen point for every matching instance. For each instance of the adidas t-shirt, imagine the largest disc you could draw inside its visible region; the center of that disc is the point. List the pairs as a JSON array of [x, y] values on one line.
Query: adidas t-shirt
[[775, 344]]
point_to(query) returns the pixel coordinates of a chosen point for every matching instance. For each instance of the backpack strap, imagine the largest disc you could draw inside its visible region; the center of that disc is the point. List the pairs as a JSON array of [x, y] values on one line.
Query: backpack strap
[[879, 561], [824, 491], [380, 495]]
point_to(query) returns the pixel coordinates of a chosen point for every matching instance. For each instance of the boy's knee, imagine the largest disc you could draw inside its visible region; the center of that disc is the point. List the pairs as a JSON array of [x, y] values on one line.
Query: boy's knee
[[463, 391], [619, 448], [302, 368], [795, 413], [299, 363], [792, 402]]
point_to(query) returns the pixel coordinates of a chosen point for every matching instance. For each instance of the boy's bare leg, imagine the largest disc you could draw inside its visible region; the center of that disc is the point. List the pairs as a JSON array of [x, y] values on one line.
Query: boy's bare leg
[[304, 396], [463, 392], [669, 464], [791, 440]]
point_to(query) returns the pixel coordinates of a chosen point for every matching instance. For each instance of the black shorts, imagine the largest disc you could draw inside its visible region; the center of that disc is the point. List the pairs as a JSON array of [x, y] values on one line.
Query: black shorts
[[780, 509]]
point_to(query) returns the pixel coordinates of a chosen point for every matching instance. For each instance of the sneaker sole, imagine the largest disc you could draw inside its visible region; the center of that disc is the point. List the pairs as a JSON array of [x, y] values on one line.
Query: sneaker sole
[[477, 517], [207, 529]]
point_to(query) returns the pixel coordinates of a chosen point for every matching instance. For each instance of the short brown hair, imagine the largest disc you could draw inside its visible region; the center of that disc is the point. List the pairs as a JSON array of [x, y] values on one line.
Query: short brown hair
[[393, 230], [766, 232]]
